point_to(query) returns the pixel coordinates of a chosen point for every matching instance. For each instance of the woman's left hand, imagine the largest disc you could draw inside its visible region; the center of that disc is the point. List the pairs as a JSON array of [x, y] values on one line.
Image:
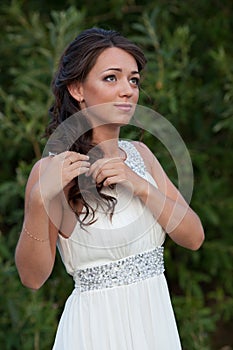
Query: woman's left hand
[[110, 171]]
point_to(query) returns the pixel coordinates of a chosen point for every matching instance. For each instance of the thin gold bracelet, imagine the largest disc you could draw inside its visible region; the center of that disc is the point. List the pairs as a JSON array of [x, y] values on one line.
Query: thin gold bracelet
[[33, 237]]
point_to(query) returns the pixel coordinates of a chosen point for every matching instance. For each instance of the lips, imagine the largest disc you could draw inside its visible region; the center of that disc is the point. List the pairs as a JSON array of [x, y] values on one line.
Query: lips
[[126, 107]]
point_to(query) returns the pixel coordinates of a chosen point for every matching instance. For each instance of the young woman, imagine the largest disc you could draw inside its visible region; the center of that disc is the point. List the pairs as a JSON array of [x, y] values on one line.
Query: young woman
[[106, 203]]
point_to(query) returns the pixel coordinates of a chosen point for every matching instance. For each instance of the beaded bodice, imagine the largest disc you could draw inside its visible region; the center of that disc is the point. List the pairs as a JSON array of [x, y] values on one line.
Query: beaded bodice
[[134, 159]]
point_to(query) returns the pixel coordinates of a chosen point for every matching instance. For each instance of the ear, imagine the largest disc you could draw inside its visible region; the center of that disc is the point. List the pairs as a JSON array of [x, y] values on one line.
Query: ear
[[76, 91]]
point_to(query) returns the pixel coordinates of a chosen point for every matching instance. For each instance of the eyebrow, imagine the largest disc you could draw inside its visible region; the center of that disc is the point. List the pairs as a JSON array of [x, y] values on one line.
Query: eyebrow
[[120, 70]]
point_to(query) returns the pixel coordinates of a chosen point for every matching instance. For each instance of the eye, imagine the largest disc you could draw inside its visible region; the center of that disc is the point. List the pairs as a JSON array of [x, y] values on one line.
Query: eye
[[110, 78], [135, 81]]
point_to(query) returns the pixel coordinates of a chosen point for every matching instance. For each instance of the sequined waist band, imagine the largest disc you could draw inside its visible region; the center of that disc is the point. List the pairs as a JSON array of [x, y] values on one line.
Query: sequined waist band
[[121, 272]]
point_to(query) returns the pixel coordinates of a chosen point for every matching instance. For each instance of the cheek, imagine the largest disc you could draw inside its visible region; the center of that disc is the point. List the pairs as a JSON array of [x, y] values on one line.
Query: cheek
[[97, 95], [136, 96]]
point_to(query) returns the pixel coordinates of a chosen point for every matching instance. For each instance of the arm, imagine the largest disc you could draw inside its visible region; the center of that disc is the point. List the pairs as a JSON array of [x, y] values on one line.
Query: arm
[[35, 258], [168, 205], [36, 248]]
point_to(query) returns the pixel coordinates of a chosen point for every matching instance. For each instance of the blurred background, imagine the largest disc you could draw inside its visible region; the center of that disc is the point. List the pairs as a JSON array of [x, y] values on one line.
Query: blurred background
[[189, 80]]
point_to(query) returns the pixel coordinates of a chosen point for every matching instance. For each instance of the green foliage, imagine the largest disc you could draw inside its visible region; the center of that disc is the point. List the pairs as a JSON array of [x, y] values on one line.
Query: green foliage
[[189, 80], [199, 103], [30, 48]]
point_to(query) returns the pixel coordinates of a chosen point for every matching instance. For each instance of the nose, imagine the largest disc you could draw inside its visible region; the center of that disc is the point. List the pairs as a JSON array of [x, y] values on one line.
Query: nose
[[125, 89]]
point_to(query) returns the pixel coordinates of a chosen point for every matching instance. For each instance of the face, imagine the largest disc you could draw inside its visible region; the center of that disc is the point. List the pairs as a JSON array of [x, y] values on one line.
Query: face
[[112, 86]]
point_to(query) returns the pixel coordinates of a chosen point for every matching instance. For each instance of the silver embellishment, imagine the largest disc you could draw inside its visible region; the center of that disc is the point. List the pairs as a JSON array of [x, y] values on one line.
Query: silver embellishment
[[134, 159], [129, 270]]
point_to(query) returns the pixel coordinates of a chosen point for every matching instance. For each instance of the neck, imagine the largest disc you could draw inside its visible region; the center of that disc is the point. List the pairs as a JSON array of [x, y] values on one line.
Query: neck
[[107, 139]]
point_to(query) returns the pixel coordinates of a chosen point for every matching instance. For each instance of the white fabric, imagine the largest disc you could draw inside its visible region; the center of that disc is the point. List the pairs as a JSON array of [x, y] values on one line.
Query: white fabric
[[138, 316]]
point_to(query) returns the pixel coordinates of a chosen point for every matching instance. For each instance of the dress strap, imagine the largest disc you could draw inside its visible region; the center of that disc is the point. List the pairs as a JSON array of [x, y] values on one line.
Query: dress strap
[[134, 159], [125, 271]]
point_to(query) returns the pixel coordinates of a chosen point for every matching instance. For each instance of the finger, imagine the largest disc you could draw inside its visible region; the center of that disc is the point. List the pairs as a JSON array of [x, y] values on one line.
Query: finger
[[79, 164], [112, 180], [78, 156], [101, 171], [103, 163], [109, 169], [79, 171], [73, 156], [77, 161], [103, 174]]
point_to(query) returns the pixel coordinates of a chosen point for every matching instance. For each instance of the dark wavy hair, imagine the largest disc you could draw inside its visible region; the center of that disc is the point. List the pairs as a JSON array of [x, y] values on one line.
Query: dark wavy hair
[[75, 63]]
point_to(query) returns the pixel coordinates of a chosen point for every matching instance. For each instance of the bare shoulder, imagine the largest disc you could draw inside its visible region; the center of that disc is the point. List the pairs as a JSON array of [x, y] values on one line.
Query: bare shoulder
[[156, 170], [141, 147], [36, 171], [40, 165], [149, 158], [145, 153], [36, 174]]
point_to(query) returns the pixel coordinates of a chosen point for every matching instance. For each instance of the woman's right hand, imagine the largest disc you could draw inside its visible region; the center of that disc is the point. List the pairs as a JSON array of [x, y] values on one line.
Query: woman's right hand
[[58, 171]]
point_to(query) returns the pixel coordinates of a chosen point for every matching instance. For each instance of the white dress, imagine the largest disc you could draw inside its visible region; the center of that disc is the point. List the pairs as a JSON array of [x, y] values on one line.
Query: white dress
[[121, 299]]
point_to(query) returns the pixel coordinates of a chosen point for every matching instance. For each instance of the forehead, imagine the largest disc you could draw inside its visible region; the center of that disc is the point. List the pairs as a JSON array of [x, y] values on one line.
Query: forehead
[[115, 57]]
